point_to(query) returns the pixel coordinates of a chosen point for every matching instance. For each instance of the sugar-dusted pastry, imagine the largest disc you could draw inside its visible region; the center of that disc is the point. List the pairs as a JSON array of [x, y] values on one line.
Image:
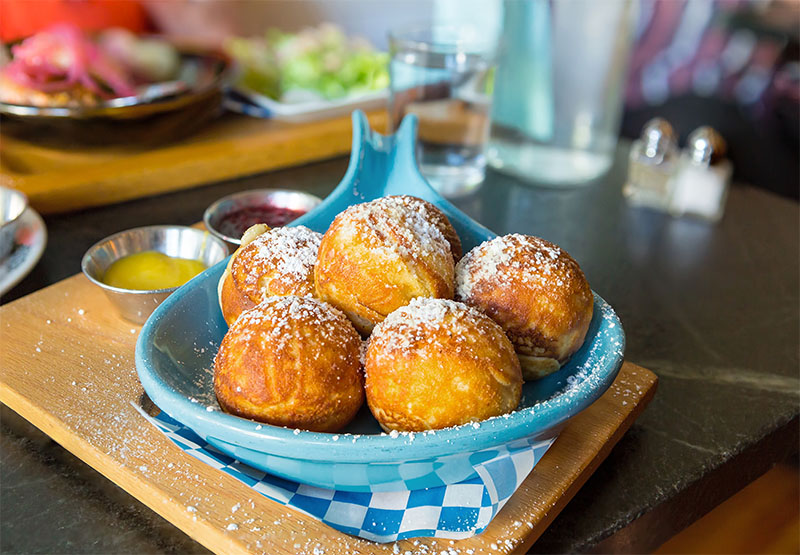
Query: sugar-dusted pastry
[[437, 363], [377, 256], [291, 361], [269, 262], [437, 218], [535, 291]]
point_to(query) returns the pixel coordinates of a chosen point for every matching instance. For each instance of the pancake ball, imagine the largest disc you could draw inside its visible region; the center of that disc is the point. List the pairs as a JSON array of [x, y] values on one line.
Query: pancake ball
[[377, 256], [437, 363], [535, 291], [269, 262], [291, 361]]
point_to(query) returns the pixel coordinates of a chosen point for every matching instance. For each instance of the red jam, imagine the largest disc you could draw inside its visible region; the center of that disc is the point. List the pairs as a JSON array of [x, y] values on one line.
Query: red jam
[[237, 222]]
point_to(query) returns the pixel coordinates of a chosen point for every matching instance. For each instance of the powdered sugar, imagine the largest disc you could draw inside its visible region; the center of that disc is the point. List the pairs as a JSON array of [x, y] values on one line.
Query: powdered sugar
[[286, 251], [425, 311], [411, 325], [272, 320], [397, 225], [530, 259]]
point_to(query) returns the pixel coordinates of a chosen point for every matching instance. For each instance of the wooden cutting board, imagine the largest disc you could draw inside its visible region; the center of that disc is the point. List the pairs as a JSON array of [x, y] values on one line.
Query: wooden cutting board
[[61, 180], [67, 366]]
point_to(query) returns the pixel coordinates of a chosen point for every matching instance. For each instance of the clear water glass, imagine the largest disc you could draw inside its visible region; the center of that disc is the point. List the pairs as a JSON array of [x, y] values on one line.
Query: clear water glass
[[559, 90], [444, 75]]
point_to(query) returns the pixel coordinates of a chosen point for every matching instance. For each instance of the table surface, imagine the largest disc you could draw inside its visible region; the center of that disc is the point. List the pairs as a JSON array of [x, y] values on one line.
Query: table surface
[[712, 309]]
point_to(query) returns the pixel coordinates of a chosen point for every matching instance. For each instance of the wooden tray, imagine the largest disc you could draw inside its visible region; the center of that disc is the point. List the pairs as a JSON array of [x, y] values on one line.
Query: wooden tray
[[60, 180], [67, 366]]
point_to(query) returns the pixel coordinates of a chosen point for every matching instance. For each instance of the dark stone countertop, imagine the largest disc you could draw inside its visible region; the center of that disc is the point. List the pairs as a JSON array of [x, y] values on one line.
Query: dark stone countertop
[[712, 309]]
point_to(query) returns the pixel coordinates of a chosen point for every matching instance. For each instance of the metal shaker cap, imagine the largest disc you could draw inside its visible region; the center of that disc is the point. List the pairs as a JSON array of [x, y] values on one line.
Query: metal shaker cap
[[658, 138], [705, 146]]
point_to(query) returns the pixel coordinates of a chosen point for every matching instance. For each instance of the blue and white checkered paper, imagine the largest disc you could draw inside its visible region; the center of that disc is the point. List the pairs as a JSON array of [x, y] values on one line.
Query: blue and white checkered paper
[[456, 511]]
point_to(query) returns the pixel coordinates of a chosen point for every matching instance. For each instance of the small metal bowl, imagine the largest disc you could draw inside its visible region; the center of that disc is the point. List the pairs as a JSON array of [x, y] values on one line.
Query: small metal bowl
[[278, 198], [12, 205], [176, 241]]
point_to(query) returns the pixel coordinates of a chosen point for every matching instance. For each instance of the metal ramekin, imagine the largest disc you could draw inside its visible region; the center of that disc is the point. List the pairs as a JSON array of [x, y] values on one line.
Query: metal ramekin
[[281, 198], [177, 241]]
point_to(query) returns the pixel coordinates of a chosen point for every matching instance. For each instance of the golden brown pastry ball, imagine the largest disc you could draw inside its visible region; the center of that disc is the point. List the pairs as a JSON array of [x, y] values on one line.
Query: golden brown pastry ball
[[535, 291], [291, 361], [269, 262], [437, 218], [437, 363], [377, 256]]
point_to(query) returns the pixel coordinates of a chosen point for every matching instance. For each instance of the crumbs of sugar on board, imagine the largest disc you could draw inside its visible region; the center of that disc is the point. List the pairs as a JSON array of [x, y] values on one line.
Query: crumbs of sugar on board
[[232, 526]]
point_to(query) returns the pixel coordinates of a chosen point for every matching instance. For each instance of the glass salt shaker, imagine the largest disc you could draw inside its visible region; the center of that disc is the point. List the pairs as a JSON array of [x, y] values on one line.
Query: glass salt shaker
[[651, 166], [701, 183]]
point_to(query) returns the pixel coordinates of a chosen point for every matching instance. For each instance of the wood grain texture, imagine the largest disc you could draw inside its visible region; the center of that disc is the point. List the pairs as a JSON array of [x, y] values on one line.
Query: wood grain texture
[[764, 517], [67, 366], [60, 180]]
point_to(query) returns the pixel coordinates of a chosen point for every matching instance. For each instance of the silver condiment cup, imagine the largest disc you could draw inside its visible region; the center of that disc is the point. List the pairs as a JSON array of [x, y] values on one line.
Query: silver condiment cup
[[278, 198], [172, 240], [12, 205]]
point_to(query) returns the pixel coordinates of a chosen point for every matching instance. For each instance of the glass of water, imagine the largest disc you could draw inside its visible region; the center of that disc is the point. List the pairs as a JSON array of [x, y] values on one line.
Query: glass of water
[[559, 90], [444, 75]]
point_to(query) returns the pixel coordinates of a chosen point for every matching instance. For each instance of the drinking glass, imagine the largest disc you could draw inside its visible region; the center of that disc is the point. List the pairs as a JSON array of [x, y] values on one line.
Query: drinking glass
[[559, 91], [444, 75]]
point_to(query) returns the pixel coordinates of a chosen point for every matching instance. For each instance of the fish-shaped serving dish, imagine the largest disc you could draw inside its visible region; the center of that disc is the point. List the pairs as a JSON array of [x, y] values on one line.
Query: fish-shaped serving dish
[[176, 348]]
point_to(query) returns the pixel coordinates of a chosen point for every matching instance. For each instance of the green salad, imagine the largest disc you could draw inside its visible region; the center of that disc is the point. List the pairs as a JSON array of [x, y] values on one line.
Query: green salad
[[319, 63]]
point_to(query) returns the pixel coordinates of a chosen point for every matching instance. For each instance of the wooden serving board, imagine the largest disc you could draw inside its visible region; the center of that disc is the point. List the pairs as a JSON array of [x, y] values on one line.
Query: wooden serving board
[[60, 180], [67, 366]]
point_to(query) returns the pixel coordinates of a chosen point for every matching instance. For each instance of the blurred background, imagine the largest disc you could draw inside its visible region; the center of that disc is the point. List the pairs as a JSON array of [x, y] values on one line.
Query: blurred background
[[731, 64]]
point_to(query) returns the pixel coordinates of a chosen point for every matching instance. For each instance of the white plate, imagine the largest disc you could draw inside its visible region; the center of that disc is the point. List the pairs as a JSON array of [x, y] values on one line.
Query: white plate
[[261, 106], [28, 247]]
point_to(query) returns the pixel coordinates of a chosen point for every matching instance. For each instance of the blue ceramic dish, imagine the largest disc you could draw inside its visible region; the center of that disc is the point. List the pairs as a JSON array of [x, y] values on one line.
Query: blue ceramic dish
[[176, 348]]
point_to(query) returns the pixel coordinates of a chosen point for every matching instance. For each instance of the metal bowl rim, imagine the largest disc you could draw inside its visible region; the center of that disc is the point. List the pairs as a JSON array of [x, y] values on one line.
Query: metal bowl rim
[[88, 255], [213, 209]]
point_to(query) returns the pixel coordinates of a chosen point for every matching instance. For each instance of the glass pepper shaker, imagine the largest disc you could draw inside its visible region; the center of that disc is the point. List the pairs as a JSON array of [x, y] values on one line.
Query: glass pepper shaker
[[651, 166], [703, 177]]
